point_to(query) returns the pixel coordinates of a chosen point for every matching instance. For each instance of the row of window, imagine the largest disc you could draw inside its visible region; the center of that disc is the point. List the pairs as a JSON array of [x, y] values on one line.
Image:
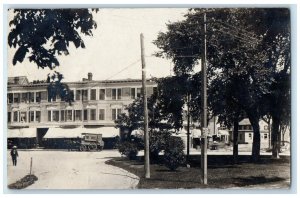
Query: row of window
[[114, 94], [81, 94], [245, 127], [27, 97], [81, 115], [63, 115], [21, 116], [265, 136], [249, 127]]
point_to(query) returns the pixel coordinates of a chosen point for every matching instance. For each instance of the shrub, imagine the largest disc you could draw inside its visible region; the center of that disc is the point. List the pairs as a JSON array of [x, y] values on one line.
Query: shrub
[[129, 149], [24, 182], [158, 140], [174, 156]]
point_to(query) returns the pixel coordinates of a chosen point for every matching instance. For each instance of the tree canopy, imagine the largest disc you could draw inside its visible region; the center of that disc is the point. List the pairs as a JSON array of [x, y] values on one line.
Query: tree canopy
[[248, 59], [43, 34]]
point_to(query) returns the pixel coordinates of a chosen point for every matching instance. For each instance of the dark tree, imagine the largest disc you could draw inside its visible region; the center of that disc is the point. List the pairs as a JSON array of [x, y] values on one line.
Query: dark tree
[[43, 34], [57, 88], [134, 119], [159, 132], [221, 103], [172, 92], [249, 52], [275, 26]]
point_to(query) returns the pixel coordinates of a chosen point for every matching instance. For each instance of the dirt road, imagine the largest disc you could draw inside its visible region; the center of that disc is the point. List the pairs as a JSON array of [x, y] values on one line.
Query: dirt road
[[71, 170]]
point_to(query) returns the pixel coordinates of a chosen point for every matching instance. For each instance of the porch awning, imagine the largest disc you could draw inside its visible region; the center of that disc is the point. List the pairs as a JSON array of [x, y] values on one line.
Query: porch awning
[[196, 133], [21, 133], [64, 133], [137, 133], [77, 132], [180, 133], [223, 132], [107, 132]]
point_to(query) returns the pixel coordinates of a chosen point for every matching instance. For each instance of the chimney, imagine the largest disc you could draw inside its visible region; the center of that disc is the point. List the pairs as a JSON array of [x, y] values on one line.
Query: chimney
[[17, 80], [90, 76]]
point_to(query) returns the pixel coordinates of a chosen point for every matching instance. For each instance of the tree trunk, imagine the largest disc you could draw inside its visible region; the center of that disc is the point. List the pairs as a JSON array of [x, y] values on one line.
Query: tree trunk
[[235, 141], [254, 120], [282, 137], [269, 134], [275, 137]]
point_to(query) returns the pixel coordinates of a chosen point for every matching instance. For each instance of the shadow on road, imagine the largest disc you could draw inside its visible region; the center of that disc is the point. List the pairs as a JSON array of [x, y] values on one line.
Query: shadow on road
[[240, 181]]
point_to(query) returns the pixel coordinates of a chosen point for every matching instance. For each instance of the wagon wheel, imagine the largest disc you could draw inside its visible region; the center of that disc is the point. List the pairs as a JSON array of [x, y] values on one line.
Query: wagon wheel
[[82, 148], [93, 146], [87, 147]]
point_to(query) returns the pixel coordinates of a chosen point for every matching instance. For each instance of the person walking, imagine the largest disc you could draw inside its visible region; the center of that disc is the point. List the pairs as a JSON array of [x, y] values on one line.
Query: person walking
[[14, 155]]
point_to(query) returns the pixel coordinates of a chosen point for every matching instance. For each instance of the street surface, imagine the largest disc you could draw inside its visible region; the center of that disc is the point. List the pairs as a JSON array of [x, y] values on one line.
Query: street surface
[[60, 169], [71, 170]]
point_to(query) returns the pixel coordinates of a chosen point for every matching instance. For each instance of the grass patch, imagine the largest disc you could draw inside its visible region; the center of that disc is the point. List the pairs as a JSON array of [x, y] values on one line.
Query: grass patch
[[267, 173], [24, 182]]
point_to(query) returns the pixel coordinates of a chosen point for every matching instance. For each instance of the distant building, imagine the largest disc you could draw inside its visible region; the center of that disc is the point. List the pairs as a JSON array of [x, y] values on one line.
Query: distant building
[[18, 80], [32, 118], [245, 135]]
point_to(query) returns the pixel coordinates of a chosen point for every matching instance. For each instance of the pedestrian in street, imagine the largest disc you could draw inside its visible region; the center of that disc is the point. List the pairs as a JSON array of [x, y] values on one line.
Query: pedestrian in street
[[14, 155]]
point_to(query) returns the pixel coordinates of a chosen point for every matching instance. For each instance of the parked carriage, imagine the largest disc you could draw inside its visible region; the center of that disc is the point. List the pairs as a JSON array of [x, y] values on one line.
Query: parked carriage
[[91, 142]]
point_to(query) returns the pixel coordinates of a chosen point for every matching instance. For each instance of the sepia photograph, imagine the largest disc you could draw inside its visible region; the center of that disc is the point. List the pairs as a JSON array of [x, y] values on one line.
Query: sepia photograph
[[148, 98]]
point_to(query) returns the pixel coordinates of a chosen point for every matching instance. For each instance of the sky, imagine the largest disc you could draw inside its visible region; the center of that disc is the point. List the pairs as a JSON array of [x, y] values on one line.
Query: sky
[[114, 46]]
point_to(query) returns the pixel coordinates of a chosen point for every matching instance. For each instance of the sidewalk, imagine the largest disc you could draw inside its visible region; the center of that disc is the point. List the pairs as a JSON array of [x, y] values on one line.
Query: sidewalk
[[224, 152], [194, 151]]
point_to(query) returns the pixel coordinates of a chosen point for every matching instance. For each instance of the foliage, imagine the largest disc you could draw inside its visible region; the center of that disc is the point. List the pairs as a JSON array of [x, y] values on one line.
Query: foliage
[[246, 58], [23, 182], [275, 26], [134, 119], [44, 34], [171, 97], [165, 109], [129, 149], [173, 155], [131, 120], [157, 142], [57, 88]]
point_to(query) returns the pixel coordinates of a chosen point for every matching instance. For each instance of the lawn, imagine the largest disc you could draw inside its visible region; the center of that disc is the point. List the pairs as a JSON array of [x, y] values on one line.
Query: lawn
[[267, 173]]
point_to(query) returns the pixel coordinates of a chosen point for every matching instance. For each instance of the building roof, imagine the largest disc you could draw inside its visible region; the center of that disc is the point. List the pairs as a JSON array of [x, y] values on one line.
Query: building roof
[[31, 84], [245, 121], [17, 80]]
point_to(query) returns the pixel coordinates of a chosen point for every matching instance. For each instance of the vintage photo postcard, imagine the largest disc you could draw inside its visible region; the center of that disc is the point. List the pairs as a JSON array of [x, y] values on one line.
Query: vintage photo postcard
[[148, 98]]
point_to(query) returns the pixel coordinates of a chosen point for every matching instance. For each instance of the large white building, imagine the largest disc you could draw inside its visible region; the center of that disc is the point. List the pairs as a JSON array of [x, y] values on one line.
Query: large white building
[[32, 118]]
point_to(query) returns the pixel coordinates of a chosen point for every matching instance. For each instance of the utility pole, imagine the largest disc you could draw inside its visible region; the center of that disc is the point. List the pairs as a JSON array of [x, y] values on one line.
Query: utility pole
[[204, 110], [146, 132]]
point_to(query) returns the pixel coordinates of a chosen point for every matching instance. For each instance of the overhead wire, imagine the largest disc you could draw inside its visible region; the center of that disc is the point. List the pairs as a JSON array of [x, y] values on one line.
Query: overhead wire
[[127, 67], [241, 31]]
